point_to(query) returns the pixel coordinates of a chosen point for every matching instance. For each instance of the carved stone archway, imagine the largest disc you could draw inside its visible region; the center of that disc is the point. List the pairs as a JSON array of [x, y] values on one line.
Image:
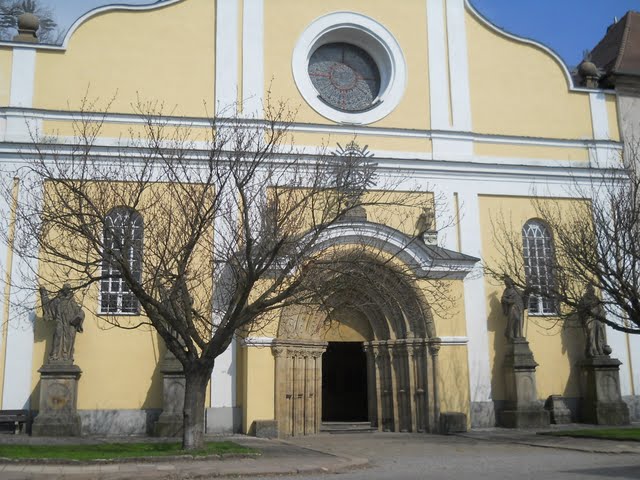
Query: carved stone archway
[[401, 353]]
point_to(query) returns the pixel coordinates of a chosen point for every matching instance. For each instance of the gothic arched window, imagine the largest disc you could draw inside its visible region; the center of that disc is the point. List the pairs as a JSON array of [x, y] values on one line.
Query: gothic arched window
[[123, 233], [538, 264]]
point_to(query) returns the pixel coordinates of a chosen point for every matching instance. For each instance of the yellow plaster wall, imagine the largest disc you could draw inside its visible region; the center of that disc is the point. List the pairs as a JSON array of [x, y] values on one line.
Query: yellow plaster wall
[[557, 350], [530, 151], [285, 21], [612, 112], [258, 367], [165, 54], [120, 367], [453, 379], [518, 89], [374, 142], [6, 65], [448, 316]]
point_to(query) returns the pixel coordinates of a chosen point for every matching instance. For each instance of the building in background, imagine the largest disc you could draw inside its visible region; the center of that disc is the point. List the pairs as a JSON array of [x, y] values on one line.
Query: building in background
[[480, 118]]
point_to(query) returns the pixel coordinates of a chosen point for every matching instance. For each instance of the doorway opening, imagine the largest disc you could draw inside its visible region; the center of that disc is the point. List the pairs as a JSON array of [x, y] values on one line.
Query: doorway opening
[[344, 383]]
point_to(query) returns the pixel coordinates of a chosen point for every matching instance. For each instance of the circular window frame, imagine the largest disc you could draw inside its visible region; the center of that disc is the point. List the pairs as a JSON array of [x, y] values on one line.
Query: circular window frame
[[372, 37]]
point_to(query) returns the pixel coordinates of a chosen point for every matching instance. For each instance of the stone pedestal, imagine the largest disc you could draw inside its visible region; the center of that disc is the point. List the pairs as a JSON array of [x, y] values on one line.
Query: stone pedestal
[[58, 415], [602, 402], [522, 408], [171, 420], [557, 408]]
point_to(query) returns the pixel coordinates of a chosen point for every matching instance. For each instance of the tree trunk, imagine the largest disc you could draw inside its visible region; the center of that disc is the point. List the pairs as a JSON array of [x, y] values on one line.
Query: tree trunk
[[194, 396]]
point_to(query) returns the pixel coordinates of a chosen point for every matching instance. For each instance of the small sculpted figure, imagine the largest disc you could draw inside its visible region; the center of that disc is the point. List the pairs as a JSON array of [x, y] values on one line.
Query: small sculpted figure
[[425, 223], [590, 311], [513, 306], [68, 317]]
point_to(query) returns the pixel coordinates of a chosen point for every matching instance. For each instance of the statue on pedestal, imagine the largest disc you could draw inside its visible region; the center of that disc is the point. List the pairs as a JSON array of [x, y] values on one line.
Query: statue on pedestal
[[513, 306], [590, 312], [57, 413], [68, 316]]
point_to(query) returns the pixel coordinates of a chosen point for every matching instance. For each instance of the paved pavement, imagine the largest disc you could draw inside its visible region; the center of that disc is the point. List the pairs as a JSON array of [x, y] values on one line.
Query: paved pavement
[[490, 453]]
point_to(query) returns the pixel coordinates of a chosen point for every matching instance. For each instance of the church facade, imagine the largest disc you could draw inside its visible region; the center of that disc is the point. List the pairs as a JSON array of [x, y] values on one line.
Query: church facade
[[481, 119]]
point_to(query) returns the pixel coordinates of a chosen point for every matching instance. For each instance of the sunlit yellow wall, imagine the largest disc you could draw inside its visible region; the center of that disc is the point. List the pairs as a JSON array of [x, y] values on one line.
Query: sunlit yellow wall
[[517, 89], [285, 21], [446, 298], [6, 63], [121, 367], [612, 111], [165, 54], [557, 350], [453, 379], [258, 394]]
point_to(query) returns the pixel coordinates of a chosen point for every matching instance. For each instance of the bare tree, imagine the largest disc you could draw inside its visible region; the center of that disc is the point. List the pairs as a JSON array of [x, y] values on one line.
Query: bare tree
[[10, 10], [596, 241], [177, 212]]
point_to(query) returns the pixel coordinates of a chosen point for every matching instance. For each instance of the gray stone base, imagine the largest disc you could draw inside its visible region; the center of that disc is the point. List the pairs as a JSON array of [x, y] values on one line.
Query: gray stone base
[[483, 414], [118, 422], [558, 410], [601, 413], [169, 425], [453, 422], [534, 418], [223, 420], [57, 425], [633, 402], [266, 428]]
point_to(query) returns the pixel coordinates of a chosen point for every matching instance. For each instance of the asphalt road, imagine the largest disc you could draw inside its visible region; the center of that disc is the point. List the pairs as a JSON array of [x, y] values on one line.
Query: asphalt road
[[431, 457]]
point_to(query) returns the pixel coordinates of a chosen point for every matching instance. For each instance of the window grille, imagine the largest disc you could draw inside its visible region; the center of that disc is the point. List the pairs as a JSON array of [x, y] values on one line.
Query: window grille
[[122, 237], [538, 264]]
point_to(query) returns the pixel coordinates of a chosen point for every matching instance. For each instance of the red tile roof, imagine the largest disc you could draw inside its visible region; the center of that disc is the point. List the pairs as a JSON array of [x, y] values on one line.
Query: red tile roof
[[618, 53]]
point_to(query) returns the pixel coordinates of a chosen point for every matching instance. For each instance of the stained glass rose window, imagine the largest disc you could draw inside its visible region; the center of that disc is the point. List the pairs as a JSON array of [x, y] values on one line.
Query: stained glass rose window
[[345, 76]]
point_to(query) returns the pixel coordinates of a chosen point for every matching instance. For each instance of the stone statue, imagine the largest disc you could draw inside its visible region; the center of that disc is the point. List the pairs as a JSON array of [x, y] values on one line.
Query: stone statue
[[425, 223], [514, 303], [68, 316], [590, 310]]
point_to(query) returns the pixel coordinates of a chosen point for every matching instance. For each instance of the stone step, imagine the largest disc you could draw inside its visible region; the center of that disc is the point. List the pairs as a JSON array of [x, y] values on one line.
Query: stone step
[[347, 427]]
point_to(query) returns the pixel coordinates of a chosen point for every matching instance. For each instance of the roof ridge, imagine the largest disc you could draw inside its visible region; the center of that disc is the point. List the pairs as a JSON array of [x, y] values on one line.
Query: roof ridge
[[624, 40]]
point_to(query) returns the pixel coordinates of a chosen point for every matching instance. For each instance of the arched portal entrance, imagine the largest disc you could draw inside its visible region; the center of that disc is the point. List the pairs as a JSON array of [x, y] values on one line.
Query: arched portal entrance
[[372, 307]]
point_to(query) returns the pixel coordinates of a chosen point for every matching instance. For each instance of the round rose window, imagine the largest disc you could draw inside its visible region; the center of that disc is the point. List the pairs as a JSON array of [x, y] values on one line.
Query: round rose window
[[345, 76]]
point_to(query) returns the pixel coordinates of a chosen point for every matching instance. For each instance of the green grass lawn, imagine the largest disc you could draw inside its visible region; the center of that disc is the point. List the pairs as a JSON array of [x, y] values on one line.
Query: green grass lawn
[[632, 434], [110, 451]]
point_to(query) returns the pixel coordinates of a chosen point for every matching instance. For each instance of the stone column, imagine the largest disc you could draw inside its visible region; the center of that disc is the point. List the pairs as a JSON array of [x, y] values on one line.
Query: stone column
[[171, 420], [417, 359], [309, 394], [372, 406], [58, 415], [280, 400], [317, 357], [377, 359], [298, 393], [411, 384], [602, 402], [434, 350], [522, 407]]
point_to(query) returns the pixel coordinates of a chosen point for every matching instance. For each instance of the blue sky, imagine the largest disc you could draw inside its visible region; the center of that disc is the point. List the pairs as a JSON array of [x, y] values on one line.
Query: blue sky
[[567, 26]]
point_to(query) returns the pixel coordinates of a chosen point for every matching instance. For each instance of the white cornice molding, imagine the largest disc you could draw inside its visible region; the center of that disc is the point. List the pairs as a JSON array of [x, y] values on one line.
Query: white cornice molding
[[454, 340], [91, 13], [203, 122], [410, 251], [257, 341]]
